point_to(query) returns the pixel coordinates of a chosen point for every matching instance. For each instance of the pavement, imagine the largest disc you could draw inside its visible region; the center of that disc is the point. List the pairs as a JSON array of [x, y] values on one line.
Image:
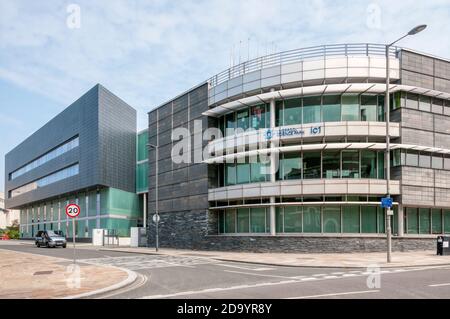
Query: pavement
[[192, 275], [337, 260], [24, 275]]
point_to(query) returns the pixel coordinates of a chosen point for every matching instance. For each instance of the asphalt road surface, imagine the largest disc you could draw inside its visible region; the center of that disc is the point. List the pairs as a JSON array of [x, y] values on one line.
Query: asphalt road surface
[[192, 276]]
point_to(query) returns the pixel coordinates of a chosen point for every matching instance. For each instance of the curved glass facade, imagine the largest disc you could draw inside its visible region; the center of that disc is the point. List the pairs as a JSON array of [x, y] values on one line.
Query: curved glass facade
[[307, 165]]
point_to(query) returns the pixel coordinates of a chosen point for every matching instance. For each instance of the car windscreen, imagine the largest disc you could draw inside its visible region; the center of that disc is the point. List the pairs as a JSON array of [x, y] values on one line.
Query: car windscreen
[[51, 234]]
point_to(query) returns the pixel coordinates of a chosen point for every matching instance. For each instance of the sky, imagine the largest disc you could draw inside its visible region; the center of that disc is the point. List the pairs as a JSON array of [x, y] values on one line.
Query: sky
[[148, 51]]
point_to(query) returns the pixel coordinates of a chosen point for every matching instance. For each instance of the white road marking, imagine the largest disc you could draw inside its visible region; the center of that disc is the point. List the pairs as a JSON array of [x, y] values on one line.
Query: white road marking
[[330, 277], [338, 273], [336, 294], [319, 275], [350, 275], [261, 275], [309, 279], [439, 285], [246, 268]]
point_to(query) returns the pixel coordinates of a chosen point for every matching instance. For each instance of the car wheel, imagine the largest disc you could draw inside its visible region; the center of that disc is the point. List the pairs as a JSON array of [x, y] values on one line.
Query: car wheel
[[64, 246], [47, 245], [37, 245]]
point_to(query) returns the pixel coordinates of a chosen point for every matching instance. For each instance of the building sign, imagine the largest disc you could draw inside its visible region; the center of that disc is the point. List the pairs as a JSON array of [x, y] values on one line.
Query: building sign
[[288, 132]]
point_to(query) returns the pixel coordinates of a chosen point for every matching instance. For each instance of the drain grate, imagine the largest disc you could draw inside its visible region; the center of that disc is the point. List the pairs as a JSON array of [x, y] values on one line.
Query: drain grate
[[47, 272]]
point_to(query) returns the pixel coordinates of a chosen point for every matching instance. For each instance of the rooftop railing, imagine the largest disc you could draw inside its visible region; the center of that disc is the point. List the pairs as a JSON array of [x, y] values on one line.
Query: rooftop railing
[[297, 55]]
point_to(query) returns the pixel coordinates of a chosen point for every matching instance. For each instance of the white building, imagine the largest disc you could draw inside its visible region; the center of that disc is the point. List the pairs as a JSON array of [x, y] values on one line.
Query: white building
[[7, 217]]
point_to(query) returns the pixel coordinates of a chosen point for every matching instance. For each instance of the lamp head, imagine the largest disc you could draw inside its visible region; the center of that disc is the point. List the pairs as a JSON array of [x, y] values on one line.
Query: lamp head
[[417, 29]]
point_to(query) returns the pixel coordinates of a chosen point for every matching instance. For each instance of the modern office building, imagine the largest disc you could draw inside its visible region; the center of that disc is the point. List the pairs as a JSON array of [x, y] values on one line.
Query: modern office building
[[305, 170], [84, 155]]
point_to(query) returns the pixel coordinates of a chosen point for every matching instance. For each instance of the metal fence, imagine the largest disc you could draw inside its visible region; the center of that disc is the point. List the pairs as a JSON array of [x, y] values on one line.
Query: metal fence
[[297, 55]]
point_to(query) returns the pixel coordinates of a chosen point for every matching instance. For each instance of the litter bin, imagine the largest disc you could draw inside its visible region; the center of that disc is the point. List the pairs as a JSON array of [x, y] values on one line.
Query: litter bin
[[443, 245]]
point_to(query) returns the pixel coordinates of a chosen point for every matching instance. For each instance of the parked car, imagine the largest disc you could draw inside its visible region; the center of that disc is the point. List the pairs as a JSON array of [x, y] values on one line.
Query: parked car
[[49, 238]]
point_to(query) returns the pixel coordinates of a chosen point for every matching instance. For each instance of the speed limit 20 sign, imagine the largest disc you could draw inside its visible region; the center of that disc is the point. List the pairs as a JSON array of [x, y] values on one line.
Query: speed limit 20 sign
[[72, 210]]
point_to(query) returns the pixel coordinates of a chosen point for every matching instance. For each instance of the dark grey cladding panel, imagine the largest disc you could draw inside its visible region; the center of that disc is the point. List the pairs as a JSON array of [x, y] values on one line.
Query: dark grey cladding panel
[[106, 127], [180, 103]]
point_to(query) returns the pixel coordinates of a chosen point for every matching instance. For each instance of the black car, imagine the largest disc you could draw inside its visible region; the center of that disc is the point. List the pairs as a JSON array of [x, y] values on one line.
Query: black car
[[50, 238]]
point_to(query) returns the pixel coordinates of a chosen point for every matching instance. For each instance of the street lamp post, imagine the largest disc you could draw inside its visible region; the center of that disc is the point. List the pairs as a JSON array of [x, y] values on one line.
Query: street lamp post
[[156, 148], [413, 31]]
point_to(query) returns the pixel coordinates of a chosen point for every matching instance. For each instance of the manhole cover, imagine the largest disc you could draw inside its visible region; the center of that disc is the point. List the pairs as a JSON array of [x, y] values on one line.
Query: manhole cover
[[48, 272]]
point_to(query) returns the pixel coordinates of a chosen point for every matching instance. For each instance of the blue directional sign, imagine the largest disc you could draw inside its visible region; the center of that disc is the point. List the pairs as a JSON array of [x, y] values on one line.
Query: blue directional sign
[[386, 202]]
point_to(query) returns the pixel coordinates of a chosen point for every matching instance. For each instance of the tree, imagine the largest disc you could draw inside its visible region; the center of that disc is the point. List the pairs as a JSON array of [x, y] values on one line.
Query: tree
[[13, 230]]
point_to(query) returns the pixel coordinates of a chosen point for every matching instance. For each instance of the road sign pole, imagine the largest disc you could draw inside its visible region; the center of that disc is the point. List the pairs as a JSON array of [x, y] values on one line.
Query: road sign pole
[[73, 234]]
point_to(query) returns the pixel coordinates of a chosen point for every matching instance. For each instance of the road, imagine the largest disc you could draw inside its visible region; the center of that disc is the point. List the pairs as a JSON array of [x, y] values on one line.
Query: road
[[192, 276]]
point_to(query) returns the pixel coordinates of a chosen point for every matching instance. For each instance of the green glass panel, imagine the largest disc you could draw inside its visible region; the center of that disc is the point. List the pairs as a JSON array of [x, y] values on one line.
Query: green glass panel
[[278, 114], [230, 124], [292, 111], [380, 165], [424, 220], [279, 219], [368, 164], [331, 108], [311, 165], [311, 109], [381, 114], [290, 166], [311, 219], [350, 219], [350, 108], [242, 120], [381, 220], [331, 220], [142, 151], [221, 222], [82, 204], [258, 117], [243, 172], [119, 202], [259, 172], [293, 219], [92, 204], [368, 219], [142, 177], [412, 219], [230, 174], [436, 221], [230, 221], [446, 221], [331, 164], [369, 108], [350, 164], [258, 220], [243, 220]]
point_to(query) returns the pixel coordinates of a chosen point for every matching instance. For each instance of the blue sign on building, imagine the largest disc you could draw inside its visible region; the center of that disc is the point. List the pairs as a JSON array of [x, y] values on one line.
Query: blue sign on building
[[386, 202]]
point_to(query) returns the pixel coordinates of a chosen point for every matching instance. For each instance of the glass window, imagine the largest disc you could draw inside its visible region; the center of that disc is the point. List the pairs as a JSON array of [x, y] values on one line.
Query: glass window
[[425, 103], [369, 108], [447, 162], [259, 172], [331, 220], [292, 112], [398, 157], [380, 165], [412, 219], [311, 165], [424, 220], [258, 117], [293, 219], [279, 113], [311, 219], [368, 164], [243, 220], [425, 160], [436, 221], [243, 172], [331, 164], [437, 161], [350, 164], [311, 109], [242, 120], [290, 166], [279, 219], [381, 108], [350, 219], [412, 101], [446, 214], [412, 158], [258, 220], [368, 219], [221, 222], [221, 125], [350, 107], [331, 108], [230, 174], [230, 221], [437, 106], [230, 124], [399, 100], [381, 213]]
